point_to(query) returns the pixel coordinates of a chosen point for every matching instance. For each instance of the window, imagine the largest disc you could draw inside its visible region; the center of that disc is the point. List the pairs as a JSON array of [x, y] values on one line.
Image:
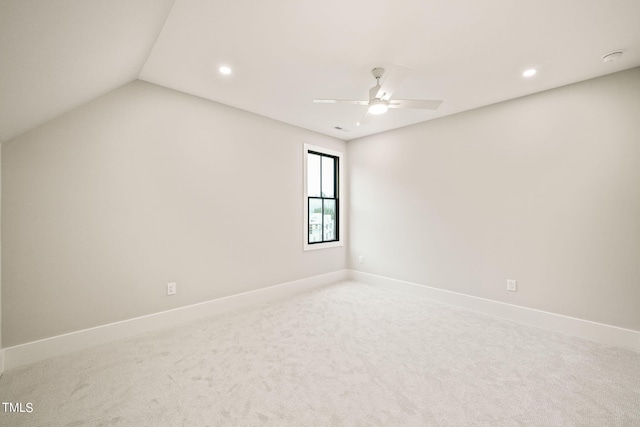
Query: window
[[322, 203]]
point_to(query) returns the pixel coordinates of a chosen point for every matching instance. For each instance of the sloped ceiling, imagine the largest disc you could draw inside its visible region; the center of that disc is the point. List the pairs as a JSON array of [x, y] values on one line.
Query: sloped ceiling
[[55, 55], [58, 54]]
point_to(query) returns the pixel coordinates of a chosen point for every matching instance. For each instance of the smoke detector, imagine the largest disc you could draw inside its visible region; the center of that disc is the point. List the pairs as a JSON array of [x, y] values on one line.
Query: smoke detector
[[612, 56]]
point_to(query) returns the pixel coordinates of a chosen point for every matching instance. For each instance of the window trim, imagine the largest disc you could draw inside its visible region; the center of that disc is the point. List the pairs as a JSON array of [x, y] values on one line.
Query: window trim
[[340, 196]]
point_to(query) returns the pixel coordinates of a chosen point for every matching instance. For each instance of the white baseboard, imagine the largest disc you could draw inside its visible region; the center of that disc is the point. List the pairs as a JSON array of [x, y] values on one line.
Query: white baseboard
[[593, 331], [35, 351]]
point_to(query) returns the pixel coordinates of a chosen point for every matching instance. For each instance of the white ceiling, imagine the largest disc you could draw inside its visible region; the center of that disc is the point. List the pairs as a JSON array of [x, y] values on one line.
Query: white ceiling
[[56, 55]]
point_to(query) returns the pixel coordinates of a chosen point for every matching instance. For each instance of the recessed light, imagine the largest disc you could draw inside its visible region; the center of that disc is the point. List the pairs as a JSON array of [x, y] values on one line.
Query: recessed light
[[224, 70], [612, 56], [530, 72]]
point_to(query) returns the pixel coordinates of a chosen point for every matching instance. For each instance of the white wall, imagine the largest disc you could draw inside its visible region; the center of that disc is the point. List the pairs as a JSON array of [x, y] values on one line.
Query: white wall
[[1, 345], [143, 186], [544, 189]]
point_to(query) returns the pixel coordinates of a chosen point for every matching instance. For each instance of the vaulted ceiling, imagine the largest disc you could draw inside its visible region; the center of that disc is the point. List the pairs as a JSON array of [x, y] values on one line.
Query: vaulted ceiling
[[57, 55]]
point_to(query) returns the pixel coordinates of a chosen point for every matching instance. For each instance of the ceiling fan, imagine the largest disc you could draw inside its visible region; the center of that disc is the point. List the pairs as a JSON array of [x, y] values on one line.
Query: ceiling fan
[[380, 95]]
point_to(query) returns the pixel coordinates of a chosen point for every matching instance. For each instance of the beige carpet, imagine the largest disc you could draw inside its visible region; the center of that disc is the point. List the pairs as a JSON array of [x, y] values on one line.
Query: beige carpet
[[347, 354]]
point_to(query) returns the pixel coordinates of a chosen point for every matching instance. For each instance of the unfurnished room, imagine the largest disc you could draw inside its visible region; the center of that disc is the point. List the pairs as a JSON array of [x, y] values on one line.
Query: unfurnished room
[[305, 213]]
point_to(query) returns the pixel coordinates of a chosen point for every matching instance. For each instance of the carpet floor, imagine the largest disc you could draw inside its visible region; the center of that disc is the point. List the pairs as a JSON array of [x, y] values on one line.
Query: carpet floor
[[347, 354]]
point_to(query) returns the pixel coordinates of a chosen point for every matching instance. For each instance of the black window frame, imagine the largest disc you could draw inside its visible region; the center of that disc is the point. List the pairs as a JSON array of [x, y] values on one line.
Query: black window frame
[[322, 198]]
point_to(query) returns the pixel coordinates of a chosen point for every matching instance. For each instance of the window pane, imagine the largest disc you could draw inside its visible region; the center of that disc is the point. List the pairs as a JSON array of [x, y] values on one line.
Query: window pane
[[329, 220], [315, 220], [313, 175], [328, 168]]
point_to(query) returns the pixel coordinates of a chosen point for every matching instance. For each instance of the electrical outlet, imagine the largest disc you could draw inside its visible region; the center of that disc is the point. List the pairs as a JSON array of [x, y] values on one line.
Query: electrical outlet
[[171, 288], [511, 285], [361, 259]]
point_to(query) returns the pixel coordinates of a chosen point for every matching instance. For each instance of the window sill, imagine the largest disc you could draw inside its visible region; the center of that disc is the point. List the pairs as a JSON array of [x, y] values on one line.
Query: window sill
[[315, 246]]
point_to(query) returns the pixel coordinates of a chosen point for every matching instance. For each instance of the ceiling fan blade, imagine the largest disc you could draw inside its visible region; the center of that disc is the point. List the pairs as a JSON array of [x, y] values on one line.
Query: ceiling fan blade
[[420, 104], [365, 119], [340, 101], [392, 81]]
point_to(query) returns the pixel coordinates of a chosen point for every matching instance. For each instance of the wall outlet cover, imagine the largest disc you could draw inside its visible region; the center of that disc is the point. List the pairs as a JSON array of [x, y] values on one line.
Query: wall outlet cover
[[171, 288]]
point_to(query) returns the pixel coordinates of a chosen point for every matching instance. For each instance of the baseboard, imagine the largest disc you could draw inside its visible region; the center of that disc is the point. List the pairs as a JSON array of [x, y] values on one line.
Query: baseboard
[[606, 334], [35, 351]]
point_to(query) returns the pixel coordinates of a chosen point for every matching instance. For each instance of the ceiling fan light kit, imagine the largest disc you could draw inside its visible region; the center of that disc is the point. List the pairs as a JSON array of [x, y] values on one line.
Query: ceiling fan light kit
[[378, 106]]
